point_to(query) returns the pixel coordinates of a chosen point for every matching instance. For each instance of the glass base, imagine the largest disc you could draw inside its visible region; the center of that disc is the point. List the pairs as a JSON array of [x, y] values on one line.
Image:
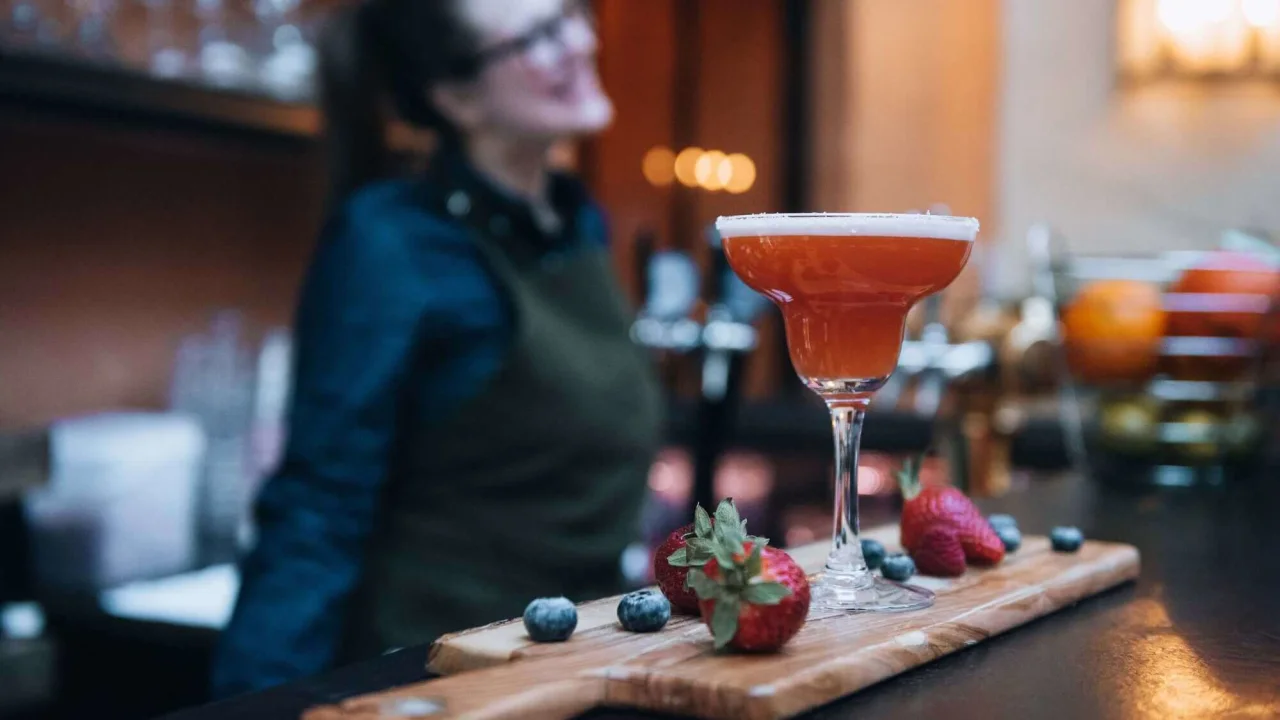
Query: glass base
[[864, 592]]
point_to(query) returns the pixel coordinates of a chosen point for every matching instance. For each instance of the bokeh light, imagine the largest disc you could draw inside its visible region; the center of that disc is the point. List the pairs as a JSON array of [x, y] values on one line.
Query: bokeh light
[[658, 166], [724, 172], [800, 535], [684, 166], [694, 167], [671, 475], [1261, 13], [742, 173], [1185, 17], [706, 170]]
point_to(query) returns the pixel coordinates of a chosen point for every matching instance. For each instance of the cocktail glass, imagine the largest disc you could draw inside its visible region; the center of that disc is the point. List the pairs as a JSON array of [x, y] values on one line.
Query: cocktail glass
[[844, 284]]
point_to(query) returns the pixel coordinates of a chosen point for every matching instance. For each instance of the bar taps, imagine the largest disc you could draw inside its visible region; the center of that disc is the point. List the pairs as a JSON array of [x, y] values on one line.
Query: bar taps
[[670, 282], [930, 367], [673, 288]]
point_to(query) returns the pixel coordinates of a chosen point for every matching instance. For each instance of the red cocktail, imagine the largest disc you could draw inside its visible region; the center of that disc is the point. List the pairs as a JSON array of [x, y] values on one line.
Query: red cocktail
[[844, 284]]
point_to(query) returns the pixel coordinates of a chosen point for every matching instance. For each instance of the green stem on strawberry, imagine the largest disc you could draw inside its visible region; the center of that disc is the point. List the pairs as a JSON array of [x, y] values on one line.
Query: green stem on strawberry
[[909, 477], [700, 544], [697, 549], [739, 574], [752, 597], [739, 583]]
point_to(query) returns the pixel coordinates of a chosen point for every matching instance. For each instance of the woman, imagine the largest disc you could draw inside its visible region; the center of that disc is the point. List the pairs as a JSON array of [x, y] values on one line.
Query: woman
[[471, 425]]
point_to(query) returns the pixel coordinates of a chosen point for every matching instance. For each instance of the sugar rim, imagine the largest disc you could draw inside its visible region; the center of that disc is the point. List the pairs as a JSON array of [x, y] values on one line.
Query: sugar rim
[[941, 227]]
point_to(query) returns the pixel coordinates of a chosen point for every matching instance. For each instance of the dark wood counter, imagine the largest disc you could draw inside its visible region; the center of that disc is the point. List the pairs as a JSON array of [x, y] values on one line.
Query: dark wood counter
[[1197, 636]]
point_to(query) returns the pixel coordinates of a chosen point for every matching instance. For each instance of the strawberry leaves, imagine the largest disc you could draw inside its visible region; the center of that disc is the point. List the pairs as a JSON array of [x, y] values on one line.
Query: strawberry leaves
[[724, 553], [698, 546], [728, 529], [909, 477], [704, 586], [728, 525], [695, 553], [701, 522], [765, 593], [739, 573], [724, 621]]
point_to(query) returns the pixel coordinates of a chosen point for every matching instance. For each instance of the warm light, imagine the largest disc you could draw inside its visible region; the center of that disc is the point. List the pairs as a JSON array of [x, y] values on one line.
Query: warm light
[[745, 477], [658, 166], [1198, 38], [1187, 17], [705, 171], [671, 475], [1167, 676], [685, 163], [800, 535], [742, 173], [710, 170], [724, 172], [1261, 13], [871, 480]]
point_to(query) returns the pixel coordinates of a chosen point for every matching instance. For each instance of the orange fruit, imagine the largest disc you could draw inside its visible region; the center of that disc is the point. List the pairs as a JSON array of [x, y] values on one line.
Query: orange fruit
[[1112, 331], [1243, 285], [1226, 295]]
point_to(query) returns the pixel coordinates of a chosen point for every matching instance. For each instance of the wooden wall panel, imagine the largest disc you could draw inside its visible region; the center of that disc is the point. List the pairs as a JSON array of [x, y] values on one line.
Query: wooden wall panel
[[741, 108], [637, 66], [924, 104], [831, 109], [739, 99], [733, 103], [908, 100], [114, 243], [726, 96]]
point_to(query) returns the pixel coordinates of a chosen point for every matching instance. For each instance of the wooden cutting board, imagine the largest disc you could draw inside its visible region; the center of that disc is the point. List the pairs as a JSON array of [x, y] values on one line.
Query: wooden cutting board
[[496, 673]]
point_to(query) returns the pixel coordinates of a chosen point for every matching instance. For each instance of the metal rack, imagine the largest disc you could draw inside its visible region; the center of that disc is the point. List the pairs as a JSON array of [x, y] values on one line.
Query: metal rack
[[1179, 453]]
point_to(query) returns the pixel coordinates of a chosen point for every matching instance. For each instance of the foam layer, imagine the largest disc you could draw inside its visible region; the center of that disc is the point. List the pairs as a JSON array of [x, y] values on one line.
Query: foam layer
[[942, 227]]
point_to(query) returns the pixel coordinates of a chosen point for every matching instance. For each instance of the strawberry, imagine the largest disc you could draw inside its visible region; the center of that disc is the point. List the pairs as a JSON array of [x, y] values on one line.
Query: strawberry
[[939, 552], [687, 547], [673, 579], [753, 598], [924, 508]]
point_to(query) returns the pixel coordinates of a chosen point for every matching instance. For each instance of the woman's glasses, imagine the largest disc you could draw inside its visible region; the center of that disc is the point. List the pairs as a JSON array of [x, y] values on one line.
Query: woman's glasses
[[552, 29]]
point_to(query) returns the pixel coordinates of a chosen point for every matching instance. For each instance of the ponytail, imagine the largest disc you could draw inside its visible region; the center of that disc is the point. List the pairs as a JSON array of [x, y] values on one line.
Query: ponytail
[[352, 89], [379, 58]]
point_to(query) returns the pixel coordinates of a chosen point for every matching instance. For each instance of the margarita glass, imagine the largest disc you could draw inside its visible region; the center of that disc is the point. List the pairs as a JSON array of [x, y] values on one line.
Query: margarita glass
[[844, 284]]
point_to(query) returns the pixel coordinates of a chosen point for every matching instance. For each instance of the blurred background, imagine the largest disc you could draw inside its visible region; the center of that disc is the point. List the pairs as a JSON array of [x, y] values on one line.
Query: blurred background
[[161, 189]]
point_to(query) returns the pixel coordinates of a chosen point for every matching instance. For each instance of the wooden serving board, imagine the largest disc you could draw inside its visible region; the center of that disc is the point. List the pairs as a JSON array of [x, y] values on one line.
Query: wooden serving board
[[497, 673]]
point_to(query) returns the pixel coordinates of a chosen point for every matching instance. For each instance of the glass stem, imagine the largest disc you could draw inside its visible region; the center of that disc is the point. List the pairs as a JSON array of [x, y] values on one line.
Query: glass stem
[[845, 557]]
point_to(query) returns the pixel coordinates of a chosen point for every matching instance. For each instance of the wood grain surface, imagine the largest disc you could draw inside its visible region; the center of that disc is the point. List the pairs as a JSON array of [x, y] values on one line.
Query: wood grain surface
[[496, 673]]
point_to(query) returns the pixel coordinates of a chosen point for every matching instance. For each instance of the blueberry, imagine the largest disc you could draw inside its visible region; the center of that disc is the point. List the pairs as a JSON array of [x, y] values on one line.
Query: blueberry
[[898, 567], [550, 619], [873, 553], [1000, 520], [1011, 538], [1066, 539], [644, 611]]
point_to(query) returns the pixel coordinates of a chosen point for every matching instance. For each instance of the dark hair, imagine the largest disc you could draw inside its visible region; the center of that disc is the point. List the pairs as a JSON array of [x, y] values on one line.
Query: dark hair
[[378, 59]]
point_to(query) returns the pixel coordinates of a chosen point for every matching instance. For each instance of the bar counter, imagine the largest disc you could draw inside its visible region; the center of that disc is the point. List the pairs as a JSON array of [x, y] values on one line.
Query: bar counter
[[1196, 636]]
